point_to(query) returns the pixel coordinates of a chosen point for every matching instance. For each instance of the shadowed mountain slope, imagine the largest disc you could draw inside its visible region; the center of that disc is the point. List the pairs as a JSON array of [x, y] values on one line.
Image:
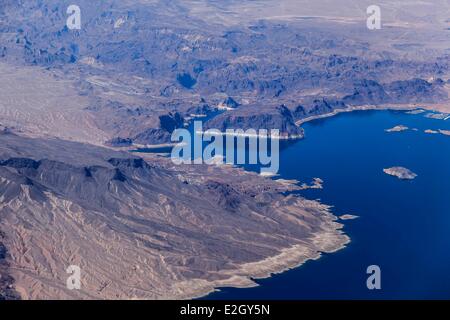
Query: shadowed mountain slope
[[144, 229]]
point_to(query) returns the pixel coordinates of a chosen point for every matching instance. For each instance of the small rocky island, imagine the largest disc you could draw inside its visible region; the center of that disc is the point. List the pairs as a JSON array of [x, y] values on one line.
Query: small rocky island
[[398, 128], [401, 173], [348, 217]]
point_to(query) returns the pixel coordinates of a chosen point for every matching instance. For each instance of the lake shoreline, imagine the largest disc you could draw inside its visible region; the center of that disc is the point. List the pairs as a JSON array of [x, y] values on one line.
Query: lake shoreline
[[329, 241], [290, 137], [432, 108], [289, 258], [401, 107]]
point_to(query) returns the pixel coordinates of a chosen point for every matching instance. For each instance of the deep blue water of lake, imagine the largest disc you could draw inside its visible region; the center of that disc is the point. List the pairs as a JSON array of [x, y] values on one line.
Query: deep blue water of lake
[[404, 226]]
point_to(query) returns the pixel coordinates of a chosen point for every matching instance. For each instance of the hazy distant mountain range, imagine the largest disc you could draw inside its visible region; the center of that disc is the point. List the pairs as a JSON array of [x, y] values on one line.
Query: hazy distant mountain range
[[137, 61]]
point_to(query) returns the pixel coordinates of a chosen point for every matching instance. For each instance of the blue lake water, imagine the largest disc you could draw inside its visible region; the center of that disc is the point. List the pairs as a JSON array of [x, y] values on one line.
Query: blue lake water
[[404, 226]]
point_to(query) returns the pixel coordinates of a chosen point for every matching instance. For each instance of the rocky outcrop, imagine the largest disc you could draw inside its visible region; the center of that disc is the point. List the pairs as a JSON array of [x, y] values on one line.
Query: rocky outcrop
[[201, 108], [229, 103], [279, 117], [317, 106], [152, 136], [405, 91], [416, 90], [401, 173], [167, 123], [367, 92]]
